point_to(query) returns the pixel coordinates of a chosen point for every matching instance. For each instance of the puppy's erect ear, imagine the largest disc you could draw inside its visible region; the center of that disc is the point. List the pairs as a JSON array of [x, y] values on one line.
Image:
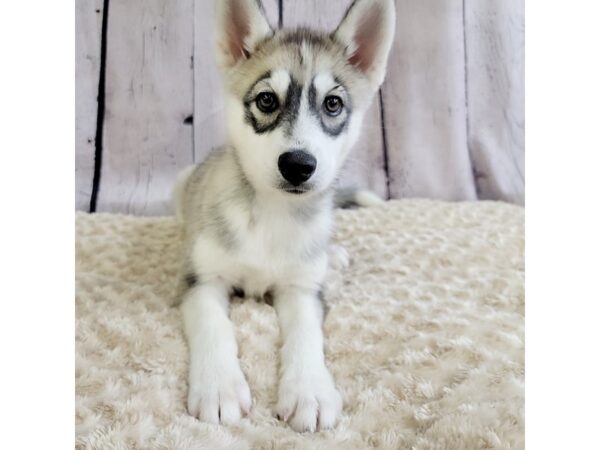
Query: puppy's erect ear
[[367, 32], [240, 26]]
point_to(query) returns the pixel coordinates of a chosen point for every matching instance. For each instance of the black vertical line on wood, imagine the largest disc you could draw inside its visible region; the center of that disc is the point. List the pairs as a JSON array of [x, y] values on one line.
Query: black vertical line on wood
[[386, 167], [280, 17], [100, 115], [467, 120]]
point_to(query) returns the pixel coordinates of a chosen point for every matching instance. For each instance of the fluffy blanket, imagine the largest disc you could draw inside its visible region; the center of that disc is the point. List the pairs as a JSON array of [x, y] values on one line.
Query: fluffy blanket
[[424, 335]]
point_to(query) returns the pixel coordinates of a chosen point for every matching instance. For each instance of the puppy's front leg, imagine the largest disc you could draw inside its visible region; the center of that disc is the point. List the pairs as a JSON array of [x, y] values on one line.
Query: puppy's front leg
[[218, 391], [308, 398]]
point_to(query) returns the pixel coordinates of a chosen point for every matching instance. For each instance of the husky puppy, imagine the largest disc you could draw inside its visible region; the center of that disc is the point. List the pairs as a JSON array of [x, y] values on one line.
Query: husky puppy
[[257, 214]]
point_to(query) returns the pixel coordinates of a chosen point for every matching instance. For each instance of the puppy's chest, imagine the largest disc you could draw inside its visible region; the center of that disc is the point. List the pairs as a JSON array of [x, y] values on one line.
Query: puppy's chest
[[268, 248], [270, 238]]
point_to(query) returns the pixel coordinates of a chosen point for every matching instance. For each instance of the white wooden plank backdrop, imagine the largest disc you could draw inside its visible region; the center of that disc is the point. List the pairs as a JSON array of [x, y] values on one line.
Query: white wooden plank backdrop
[[88, 28], [494, 32], [149, 94], [425, 103], [448, 122]]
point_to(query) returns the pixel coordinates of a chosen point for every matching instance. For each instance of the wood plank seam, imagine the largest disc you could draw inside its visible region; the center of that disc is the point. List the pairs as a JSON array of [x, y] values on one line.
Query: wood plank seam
[[385, 144], [493, 36], [148, 96], [280, 16], [474, 171], [100, 113]]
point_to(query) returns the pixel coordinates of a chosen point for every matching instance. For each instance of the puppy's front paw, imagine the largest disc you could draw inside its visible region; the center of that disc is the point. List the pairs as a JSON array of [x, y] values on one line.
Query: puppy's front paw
[[309, 402], [219, 395]]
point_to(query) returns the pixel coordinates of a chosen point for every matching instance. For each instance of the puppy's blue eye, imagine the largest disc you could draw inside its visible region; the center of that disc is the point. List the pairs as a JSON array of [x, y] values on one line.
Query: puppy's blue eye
[[333, 105], [267, 102]]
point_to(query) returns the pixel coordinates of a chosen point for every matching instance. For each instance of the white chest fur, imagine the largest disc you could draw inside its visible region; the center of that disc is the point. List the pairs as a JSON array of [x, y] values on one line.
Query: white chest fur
[[274, 244]]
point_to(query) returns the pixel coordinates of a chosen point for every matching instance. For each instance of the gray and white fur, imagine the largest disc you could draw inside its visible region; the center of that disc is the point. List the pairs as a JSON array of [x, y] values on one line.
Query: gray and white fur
[[257, 215]]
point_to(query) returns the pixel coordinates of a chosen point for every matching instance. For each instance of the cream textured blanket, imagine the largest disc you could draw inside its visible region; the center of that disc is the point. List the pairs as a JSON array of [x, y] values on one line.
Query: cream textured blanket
[[424, 335]]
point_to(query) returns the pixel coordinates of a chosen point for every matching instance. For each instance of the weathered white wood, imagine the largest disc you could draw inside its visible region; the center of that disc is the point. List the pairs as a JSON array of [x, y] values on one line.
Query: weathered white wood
[[433, 105], [149, 94], [366, 164], [208, 90], [88, 29], [424, 101], [209, 129], [271, 8], [314, 13], [494, 31]]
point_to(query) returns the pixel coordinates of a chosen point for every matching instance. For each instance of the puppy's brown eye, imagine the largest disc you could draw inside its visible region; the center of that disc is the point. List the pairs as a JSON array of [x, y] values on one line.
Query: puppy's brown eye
[[333, 105], [267, 102]]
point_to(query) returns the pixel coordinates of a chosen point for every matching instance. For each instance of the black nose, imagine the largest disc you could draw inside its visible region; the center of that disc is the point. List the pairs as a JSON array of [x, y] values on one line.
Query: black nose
[[297, 166]]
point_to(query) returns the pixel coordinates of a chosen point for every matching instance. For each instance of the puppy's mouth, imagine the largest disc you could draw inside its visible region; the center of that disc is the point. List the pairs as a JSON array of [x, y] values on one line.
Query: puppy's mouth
[[296, 190]]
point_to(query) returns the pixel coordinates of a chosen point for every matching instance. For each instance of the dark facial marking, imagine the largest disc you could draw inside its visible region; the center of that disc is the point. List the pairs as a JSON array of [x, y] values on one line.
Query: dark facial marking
[[248, 98], [258, 127], [302, 36], [330, 125], [312, 99], [286, 113], [292, 105]]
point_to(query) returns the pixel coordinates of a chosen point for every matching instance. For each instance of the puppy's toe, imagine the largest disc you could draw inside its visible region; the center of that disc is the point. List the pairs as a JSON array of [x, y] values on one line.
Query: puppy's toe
[[329, 411], [305, 417], [230, 411]]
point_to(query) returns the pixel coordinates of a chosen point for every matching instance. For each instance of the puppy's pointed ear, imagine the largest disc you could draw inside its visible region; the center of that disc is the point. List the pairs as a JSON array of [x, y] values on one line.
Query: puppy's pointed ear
[[367, 32], [241, 25]]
